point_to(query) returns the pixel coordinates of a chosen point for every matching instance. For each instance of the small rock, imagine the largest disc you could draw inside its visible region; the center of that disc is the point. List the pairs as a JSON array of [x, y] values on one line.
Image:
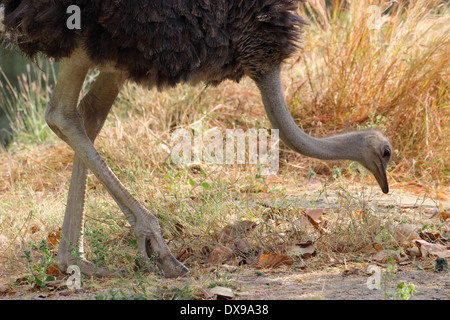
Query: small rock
[[222, 293]]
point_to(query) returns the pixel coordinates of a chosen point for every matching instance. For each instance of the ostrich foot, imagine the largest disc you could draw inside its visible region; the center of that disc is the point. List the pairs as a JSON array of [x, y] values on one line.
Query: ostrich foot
[[171, 267], [167, 264]]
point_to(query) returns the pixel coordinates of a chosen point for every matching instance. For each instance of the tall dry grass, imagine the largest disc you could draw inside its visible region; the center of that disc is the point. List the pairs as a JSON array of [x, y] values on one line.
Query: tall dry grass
[[384, 64]]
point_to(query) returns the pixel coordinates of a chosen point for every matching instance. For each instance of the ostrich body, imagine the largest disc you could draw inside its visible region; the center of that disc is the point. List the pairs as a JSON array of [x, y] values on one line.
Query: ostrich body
[[162, 43]]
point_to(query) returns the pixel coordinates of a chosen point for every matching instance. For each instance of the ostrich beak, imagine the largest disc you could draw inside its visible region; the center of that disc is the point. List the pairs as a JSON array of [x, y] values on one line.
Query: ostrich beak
[[379, 171]]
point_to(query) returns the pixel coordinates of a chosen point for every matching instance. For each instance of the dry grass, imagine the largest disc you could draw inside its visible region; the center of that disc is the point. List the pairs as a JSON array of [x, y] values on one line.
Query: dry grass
[[395, 78]]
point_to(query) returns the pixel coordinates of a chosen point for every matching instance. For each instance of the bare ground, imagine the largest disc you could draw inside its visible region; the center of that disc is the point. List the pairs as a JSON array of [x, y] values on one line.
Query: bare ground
[[331, 283], [314, 278]]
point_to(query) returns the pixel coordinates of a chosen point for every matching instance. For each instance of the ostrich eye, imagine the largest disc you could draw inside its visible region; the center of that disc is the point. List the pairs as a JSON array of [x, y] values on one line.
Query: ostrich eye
[[386, 153]]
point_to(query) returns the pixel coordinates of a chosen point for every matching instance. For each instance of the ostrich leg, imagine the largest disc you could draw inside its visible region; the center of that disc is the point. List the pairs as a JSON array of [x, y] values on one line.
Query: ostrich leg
[[94, 109], [64, 119]]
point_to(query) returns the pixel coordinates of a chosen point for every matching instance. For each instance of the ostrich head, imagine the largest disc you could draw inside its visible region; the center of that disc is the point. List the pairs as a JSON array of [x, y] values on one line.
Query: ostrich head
[[368, 147], [375, 154]]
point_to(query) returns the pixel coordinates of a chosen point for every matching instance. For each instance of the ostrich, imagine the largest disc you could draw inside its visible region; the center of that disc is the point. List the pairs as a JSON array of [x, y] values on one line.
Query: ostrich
[[162, 43]]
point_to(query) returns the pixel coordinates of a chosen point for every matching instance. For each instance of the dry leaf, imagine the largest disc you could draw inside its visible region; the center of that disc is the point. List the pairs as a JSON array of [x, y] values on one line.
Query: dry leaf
[[304, 250], [204, 294], [442, 195], [53, 270], [382, 257], [431, 249], [301, 223], [444, 215], [438, 212], [359, 214], [315, 218], [274, 260], [57, 284], [431, 236], [241, 246], [219, 255], [53, 238], [404, 233], [413, 252], [348, 272], [184, 254], [235, 230], [377, 247], [34, 229], [316, 215]]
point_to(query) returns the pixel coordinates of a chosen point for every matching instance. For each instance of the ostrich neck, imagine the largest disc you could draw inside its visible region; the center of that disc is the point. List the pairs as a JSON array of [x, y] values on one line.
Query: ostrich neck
[[338, 147]]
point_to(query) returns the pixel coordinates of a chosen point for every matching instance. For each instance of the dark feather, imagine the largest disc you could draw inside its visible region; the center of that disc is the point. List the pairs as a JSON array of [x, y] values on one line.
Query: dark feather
[[162, 41]]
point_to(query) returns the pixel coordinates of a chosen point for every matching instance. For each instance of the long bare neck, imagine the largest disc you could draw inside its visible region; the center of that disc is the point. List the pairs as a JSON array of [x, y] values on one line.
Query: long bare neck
[[338, 147]]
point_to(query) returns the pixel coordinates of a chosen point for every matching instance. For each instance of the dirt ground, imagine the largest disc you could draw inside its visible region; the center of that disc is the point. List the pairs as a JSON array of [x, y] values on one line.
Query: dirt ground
[[334, 284], [331, 283], [313, 279]]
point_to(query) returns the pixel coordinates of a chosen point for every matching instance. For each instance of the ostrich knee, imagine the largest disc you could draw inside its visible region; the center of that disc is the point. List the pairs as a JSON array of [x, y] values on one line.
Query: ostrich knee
[[62, 123]]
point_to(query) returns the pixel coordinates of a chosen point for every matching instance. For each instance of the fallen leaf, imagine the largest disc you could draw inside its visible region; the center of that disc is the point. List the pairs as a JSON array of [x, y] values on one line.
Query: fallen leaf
[[442, 195], [359, 214], [444, 215], [179, 228], [380, 257], [431, 249], [383, 256], [204, 294], [303, 250], [53, 270], [34, 229], [438, 212], [274, 260], [53, 238], [219, 255], [413, 252], [301, 223], [348, 272], [56, 284], [432, 213], [377, 247], [235, 230], [405, 232], [184, 254], [431, 236], [315, 218], [66, 293], [21, 280], [241, 246], [315, 214]]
